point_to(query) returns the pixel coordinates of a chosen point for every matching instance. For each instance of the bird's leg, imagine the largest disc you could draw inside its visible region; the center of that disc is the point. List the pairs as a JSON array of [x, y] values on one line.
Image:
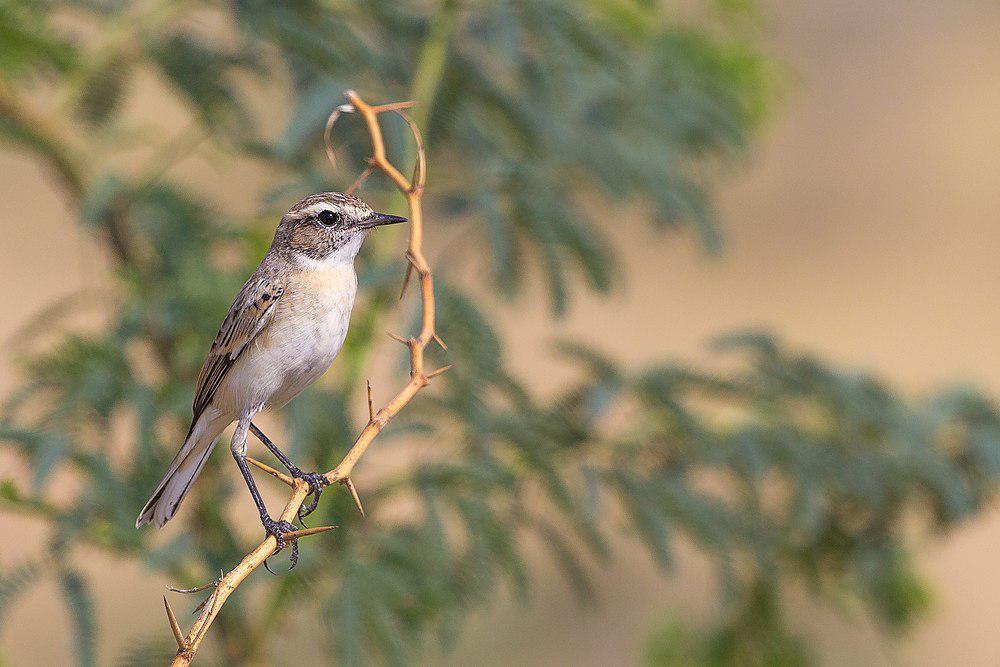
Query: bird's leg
[[317, 481], [271, 527]]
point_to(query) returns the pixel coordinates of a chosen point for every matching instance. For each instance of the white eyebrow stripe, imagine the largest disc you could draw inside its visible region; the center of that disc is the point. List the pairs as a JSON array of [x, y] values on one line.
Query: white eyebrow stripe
[[312, 209]]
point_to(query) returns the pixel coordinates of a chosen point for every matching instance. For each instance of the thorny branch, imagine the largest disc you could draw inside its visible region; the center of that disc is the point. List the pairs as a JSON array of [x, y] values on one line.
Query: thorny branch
[[412, 189]]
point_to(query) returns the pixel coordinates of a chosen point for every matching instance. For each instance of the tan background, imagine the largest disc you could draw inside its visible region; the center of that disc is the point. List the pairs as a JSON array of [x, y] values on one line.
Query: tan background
[[865, 228]]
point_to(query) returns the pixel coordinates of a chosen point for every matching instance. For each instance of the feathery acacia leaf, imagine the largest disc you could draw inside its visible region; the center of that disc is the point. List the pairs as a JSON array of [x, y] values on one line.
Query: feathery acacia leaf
[[81, 609], [544, 121]]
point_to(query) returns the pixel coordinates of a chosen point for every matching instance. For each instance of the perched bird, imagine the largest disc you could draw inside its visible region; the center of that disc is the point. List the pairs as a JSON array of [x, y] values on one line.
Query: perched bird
[[282, 333]]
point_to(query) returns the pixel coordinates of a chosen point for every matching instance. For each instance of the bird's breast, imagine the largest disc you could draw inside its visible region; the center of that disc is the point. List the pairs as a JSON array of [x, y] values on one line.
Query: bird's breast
[[319, 301], [309, 327]]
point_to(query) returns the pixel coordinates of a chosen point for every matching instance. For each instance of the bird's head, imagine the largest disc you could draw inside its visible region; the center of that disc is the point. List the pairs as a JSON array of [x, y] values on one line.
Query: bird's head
[[329, 225]]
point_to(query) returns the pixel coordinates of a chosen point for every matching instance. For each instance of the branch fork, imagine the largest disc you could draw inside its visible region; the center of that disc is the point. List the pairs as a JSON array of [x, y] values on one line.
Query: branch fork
[[412, 189]]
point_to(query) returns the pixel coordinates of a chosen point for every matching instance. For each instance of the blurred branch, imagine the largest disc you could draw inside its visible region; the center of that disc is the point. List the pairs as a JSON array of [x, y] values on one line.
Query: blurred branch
[[413, 191], [33, 131]]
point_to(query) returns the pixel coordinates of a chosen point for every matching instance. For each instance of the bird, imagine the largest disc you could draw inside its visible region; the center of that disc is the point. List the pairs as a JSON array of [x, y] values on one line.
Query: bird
[[283, 331]]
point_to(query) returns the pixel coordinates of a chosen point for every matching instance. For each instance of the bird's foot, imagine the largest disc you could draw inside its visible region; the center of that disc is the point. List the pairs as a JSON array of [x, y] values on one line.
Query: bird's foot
[[317, 482], [279, 529]]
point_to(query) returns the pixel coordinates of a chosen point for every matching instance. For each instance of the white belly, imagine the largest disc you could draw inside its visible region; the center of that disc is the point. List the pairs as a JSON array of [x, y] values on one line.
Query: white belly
[[307, 353], [299, 345]]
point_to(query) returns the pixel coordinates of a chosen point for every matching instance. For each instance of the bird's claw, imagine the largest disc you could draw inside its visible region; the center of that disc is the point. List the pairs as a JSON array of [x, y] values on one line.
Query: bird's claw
[[278, 529], [317, 482]]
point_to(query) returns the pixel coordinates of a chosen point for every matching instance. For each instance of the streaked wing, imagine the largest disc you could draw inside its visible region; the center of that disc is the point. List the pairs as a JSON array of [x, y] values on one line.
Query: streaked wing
[[249, 315]]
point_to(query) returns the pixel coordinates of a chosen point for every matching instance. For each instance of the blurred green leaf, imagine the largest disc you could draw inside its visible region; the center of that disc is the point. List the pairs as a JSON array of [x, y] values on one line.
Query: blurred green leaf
[[81, 608], [15, 581]]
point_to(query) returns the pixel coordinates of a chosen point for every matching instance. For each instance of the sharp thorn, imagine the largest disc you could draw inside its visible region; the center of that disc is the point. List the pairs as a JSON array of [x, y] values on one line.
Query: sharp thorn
[[420, 164], [398, 338], [305, 532], [406, 281], [277, 474], [174, 626], [354, 494], [198, 589], [362, 177], [204, 602], [371, 402], [394, 106], [443, 369], [437, 339]]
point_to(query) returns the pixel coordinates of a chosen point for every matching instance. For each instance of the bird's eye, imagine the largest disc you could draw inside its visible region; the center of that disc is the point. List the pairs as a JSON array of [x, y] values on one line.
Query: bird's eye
[[328, 217]]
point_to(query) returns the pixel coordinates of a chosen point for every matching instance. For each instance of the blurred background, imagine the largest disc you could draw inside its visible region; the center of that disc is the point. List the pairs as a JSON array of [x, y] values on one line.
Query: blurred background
[[717, 278]]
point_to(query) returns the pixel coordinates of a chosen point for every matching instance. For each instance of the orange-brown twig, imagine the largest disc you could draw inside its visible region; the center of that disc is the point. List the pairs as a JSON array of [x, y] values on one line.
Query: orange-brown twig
[[277, 474], [413, 190]]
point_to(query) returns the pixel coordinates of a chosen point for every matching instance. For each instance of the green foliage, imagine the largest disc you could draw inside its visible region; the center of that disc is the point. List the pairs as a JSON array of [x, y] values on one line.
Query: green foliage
[[81, 609], [546, 122], [766, 645], [15, 582], [27, 49], [149, 652]]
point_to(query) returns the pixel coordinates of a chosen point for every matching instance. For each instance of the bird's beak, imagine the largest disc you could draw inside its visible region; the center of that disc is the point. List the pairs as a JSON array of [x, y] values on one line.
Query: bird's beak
[[379, 219]]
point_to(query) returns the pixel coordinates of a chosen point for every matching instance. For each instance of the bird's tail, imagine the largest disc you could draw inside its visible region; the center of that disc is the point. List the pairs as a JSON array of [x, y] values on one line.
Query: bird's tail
[[183, 470]]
